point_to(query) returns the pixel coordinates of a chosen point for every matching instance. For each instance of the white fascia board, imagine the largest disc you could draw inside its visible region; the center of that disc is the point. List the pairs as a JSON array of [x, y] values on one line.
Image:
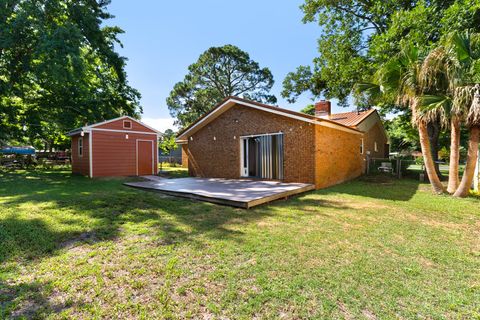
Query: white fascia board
[[231, 102], [119, 118]]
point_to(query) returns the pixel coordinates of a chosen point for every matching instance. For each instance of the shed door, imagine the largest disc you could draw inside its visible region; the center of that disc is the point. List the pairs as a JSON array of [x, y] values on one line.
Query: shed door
[[145, 165]]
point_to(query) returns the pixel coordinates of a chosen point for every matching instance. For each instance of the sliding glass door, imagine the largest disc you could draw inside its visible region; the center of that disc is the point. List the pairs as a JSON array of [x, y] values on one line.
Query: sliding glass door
[[262, 156]]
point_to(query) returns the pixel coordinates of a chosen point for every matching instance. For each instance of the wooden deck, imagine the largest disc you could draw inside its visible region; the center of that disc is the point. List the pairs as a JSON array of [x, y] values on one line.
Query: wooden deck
[[236, 193]]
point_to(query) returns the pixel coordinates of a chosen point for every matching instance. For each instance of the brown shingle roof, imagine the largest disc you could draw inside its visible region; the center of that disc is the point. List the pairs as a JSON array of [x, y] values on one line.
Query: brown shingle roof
[[352, 118]]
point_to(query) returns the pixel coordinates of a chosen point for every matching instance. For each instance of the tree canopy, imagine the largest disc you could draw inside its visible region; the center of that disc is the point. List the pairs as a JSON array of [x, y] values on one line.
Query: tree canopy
[[358, 36], [218, 73], [59, 68]]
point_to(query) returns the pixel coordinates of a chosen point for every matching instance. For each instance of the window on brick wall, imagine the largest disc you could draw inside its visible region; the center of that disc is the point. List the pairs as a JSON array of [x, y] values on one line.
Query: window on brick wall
[[361, 146]]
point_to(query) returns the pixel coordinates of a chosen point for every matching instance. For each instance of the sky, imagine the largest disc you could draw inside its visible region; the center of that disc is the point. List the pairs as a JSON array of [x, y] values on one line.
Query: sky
[[162, 38]]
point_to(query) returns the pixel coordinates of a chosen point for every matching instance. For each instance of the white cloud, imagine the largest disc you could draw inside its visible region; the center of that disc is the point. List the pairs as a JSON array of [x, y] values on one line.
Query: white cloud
[[161, 124]]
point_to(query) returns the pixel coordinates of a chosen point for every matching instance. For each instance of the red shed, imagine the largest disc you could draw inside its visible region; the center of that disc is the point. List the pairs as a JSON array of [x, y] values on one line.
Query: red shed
[[119, 147]]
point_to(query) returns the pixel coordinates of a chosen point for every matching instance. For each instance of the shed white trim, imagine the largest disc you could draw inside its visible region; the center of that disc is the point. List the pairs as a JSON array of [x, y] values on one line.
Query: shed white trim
[[95, 125], [90, 154], [136, 154], [124, 131]]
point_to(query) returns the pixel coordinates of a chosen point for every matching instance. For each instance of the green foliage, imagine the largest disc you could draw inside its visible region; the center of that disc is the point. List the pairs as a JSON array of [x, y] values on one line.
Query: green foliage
[[403, 136], [168, 143], [310, 109], [359, 36], [59, 69], [420, 161], [444, 154], [218, 73]]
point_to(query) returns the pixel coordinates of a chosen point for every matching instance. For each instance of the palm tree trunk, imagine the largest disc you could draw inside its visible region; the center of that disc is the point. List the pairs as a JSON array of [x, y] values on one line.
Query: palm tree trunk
[[453, 180], [472, 158], [433, 136], [427, 157]]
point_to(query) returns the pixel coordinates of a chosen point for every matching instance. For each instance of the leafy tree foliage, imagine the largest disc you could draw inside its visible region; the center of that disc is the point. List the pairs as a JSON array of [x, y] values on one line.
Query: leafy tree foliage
[[358, 36], [218, 73], [59, 69], [310, 109]]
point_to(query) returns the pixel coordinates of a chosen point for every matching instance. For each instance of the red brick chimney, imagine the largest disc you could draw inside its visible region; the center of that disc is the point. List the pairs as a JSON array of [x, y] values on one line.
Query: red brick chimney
[[323, 109]]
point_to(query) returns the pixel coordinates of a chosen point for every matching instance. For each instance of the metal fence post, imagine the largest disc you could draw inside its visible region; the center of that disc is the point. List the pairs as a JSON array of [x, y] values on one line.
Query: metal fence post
[[399, 168], [368, 165]]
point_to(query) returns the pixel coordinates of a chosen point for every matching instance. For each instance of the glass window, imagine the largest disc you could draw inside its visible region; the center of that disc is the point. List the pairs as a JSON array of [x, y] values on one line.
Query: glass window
[[80, 146], [127, 124]]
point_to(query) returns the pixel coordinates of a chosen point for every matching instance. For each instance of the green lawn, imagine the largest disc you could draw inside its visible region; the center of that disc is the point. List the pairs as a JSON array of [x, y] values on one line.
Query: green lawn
[[72, 247], [173, 172]]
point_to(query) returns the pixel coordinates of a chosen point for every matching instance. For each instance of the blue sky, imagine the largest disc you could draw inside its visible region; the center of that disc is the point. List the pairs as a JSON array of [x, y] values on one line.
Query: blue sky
[[163, 37]]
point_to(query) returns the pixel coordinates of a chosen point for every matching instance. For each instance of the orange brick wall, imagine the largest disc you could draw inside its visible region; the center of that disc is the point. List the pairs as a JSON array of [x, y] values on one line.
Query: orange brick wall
[[372, 135], [80, 164], [337, 156], [220, 157]]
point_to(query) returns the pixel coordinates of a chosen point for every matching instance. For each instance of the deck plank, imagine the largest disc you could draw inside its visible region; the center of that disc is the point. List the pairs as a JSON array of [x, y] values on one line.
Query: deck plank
[[240, 193]]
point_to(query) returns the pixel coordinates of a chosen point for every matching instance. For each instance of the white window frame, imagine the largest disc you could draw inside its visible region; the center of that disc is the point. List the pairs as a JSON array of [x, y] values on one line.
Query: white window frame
[[80, 146], [127, 121], [375, 146], [362, 147]]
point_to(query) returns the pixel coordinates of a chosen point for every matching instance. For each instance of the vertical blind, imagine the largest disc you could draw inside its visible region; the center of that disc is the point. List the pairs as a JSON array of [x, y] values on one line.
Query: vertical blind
[[270, 156]]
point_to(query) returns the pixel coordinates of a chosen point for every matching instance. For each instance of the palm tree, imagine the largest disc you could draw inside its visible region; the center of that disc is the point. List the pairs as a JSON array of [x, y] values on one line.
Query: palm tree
[[438, 104], [459, 61], [400, 79], [473, 122]]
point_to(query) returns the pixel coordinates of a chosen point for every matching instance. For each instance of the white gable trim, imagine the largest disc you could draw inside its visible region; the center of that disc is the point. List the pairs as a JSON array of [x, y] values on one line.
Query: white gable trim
[[230, 102], [126, 131], [120, 118]]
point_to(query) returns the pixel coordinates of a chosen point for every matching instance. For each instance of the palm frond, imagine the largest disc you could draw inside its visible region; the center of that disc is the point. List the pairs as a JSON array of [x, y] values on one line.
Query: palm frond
[[368, 88], [435, 107], [473, 118]]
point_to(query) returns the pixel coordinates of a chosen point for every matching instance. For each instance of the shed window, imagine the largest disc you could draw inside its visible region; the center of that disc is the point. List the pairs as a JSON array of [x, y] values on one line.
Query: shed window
[[376, 146], [361, 147], [80, 146], [127, 124]]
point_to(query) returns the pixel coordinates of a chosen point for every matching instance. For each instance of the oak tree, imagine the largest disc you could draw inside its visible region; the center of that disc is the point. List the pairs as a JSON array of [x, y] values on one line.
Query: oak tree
[[218, 73]]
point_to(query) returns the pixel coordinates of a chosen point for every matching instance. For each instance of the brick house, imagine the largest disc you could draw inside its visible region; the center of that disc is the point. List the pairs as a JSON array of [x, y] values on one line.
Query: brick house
[[245, 139], [375, 140]]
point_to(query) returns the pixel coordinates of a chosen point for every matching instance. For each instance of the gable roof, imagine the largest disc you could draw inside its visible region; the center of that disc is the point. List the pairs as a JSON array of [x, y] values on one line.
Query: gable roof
[[87, 128], [229, 102], [353, 118]]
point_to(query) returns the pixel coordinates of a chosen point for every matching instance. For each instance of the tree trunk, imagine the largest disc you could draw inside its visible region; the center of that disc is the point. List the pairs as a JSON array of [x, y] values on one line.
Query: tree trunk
[[427, 157], [453, 180], [433, 135], [472, 158]]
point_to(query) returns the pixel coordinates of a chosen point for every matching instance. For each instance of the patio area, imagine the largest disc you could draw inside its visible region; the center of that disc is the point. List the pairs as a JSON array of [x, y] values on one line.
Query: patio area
[[231, 192]]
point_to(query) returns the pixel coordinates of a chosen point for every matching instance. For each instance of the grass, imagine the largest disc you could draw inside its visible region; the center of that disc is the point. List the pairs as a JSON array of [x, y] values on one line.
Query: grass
[[72, 247], [173, 171]]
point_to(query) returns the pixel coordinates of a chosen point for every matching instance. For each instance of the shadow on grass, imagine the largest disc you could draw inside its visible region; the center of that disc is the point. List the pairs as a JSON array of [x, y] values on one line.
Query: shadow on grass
[[84, 210], [26, 301], [44, 212], [378, 187]]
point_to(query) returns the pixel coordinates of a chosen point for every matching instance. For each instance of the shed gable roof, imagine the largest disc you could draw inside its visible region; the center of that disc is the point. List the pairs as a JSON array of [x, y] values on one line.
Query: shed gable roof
[[88, 128]]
